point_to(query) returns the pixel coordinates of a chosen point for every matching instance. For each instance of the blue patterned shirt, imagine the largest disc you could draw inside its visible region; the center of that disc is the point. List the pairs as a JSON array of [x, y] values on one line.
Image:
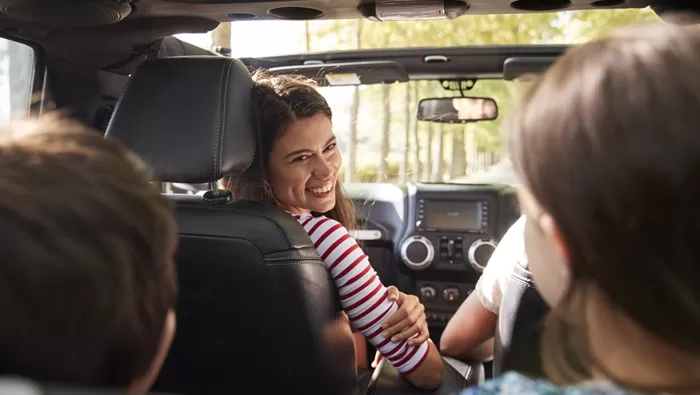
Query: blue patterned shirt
[[514, 383]]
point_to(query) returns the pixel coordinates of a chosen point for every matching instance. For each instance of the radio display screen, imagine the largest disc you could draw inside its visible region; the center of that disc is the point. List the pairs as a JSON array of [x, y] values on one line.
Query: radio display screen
[[451, 215]]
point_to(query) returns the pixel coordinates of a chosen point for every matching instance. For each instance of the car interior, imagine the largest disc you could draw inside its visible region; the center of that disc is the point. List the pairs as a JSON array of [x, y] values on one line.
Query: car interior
[[116, 66]]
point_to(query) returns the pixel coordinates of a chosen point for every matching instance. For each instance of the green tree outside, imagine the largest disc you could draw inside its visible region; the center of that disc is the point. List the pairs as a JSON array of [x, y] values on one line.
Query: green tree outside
[[438, 149], [376, 126]]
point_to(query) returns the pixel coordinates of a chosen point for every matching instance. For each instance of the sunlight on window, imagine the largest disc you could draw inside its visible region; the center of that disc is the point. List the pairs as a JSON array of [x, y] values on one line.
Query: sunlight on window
[[381, 123], [16, 80], [262, 38]]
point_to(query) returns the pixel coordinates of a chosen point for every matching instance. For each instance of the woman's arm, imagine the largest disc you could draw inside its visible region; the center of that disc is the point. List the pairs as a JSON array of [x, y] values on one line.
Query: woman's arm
[[409, 322], [365, 300]]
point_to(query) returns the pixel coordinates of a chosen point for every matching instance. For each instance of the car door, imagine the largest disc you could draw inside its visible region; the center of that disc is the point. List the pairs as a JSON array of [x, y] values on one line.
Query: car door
[[21, 81]]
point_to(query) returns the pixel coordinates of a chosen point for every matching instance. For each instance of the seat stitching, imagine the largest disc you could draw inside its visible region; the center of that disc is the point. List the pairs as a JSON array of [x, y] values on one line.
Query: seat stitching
[[121, 97], [223, 118], [218, 119]]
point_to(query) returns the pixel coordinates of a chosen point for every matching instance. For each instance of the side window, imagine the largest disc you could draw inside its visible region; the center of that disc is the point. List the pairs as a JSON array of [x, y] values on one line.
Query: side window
[[17, 62]]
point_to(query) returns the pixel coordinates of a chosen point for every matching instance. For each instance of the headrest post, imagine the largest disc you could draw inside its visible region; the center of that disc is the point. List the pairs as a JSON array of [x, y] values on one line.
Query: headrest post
[[215, 195]]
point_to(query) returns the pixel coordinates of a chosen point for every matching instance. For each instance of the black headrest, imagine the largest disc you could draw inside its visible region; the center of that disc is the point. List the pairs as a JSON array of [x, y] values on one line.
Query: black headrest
[[189, 118]]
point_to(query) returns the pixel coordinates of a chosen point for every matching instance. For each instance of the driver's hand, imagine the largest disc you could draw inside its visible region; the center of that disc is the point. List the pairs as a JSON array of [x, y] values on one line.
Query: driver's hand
[[408, 321]]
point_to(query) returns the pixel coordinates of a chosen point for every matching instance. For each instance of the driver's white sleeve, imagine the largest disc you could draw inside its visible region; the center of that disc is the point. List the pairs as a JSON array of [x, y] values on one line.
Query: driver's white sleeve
[[511, 250], [362, 294]]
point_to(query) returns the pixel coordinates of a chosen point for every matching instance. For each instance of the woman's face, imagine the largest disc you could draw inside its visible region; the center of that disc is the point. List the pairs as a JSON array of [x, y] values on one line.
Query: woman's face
[[304, 164], [546, 251]]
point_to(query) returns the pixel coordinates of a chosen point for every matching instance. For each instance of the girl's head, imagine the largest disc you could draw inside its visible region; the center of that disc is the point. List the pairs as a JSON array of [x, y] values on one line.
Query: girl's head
[[607, 146], [298, 161]]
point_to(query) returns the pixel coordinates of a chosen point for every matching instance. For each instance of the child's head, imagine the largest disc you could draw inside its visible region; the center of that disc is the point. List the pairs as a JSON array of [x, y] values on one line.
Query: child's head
[[87, 280], [607, 146]]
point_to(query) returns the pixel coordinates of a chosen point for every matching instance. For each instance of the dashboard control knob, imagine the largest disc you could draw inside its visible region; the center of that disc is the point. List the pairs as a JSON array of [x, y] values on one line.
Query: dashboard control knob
[[417, 252], [428, 292], [451, 294], [480, 252]]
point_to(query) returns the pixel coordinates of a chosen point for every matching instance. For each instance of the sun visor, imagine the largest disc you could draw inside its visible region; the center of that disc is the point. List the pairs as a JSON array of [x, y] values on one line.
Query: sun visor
[[519, 66], [348, 74]]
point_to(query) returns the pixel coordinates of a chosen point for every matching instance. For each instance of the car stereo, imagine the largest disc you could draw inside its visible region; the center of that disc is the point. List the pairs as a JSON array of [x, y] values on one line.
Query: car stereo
[[452, 216]]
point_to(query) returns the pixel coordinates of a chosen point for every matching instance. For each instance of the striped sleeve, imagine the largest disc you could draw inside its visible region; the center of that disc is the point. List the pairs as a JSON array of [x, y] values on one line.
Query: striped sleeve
[[363, 296]]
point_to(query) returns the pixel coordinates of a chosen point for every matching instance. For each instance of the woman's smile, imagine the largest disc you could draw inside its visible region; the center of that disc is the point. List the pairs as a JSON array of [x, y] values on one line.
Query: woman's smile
[[322, 191]]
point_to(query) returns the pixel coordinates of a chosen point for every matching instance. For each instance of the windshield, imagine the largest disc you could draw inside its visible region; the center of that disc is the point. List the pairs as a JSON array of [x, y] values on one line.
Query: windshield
[[378, 134], [382, 141]]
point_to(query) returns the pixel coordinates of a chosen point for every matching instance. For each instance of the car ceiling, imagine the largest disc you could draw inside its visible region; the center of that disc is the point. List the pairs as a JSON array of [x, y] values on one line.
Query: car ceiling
[[390, 65], [102, 33], [90, 47]]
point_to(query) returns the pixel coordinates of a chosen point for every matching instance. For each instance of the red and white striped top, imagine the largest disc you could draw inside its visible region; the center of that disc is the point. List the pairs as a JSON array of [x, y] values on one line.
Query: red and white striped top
[[362, 294]]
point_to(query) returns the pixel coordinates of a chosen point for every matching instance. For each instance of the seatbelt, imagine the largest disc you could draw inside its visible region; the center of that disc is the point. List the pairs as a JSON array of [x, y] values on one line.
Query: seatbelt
[[519, 329]]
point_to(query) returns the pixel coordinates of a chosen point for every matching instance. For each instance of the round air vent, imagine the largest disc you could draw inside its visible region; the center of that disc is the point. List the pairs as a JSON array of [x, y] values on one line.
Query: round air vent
[[540, 5], [67, 13], [417, 252], [480, 252], [296, 13]]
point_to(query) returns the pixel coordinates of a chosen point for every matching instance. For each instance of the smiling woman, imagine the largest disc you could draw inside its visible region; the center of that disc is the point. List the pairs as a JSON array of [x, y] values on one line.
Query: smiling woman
[[304, 165], [297, 168], [298, 151]]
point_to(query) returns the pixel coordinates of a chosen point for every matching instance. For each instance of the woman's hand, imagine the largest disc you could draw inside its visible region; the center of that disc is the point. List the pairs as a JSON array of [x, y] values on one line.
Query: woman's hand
[[407, 321]]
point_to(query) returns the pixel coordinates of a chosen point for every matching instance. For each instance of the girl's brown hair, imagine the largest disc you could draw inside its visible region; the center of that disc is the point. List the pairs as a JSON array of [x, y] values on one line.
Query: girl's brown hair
[[279, 100], [608, 144], [87, 271]]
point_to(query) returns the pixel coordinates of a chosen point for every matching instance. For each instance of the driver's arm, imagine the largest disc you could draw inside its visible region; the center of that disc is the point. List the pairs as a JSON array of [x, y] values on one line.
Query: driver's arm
[[468, 331]]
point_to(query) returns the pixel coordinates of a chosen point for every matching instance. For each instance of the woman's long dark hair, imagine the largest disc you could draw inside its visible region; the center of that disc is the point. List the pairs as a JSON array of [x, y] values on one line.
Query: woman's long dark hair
[[607, 142], [280, 100]]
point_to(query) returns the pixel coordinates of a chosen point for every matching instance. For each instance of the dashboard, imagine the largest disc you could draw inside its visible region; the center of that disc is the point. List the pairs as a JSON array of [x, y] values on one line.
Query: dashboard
[[432, 240]]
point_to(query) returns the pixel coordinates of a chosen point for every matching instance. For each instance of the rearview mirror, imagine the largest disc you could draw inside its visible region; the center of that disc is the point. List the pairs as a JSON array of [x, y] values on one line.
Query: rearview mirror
[[457, 109]]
